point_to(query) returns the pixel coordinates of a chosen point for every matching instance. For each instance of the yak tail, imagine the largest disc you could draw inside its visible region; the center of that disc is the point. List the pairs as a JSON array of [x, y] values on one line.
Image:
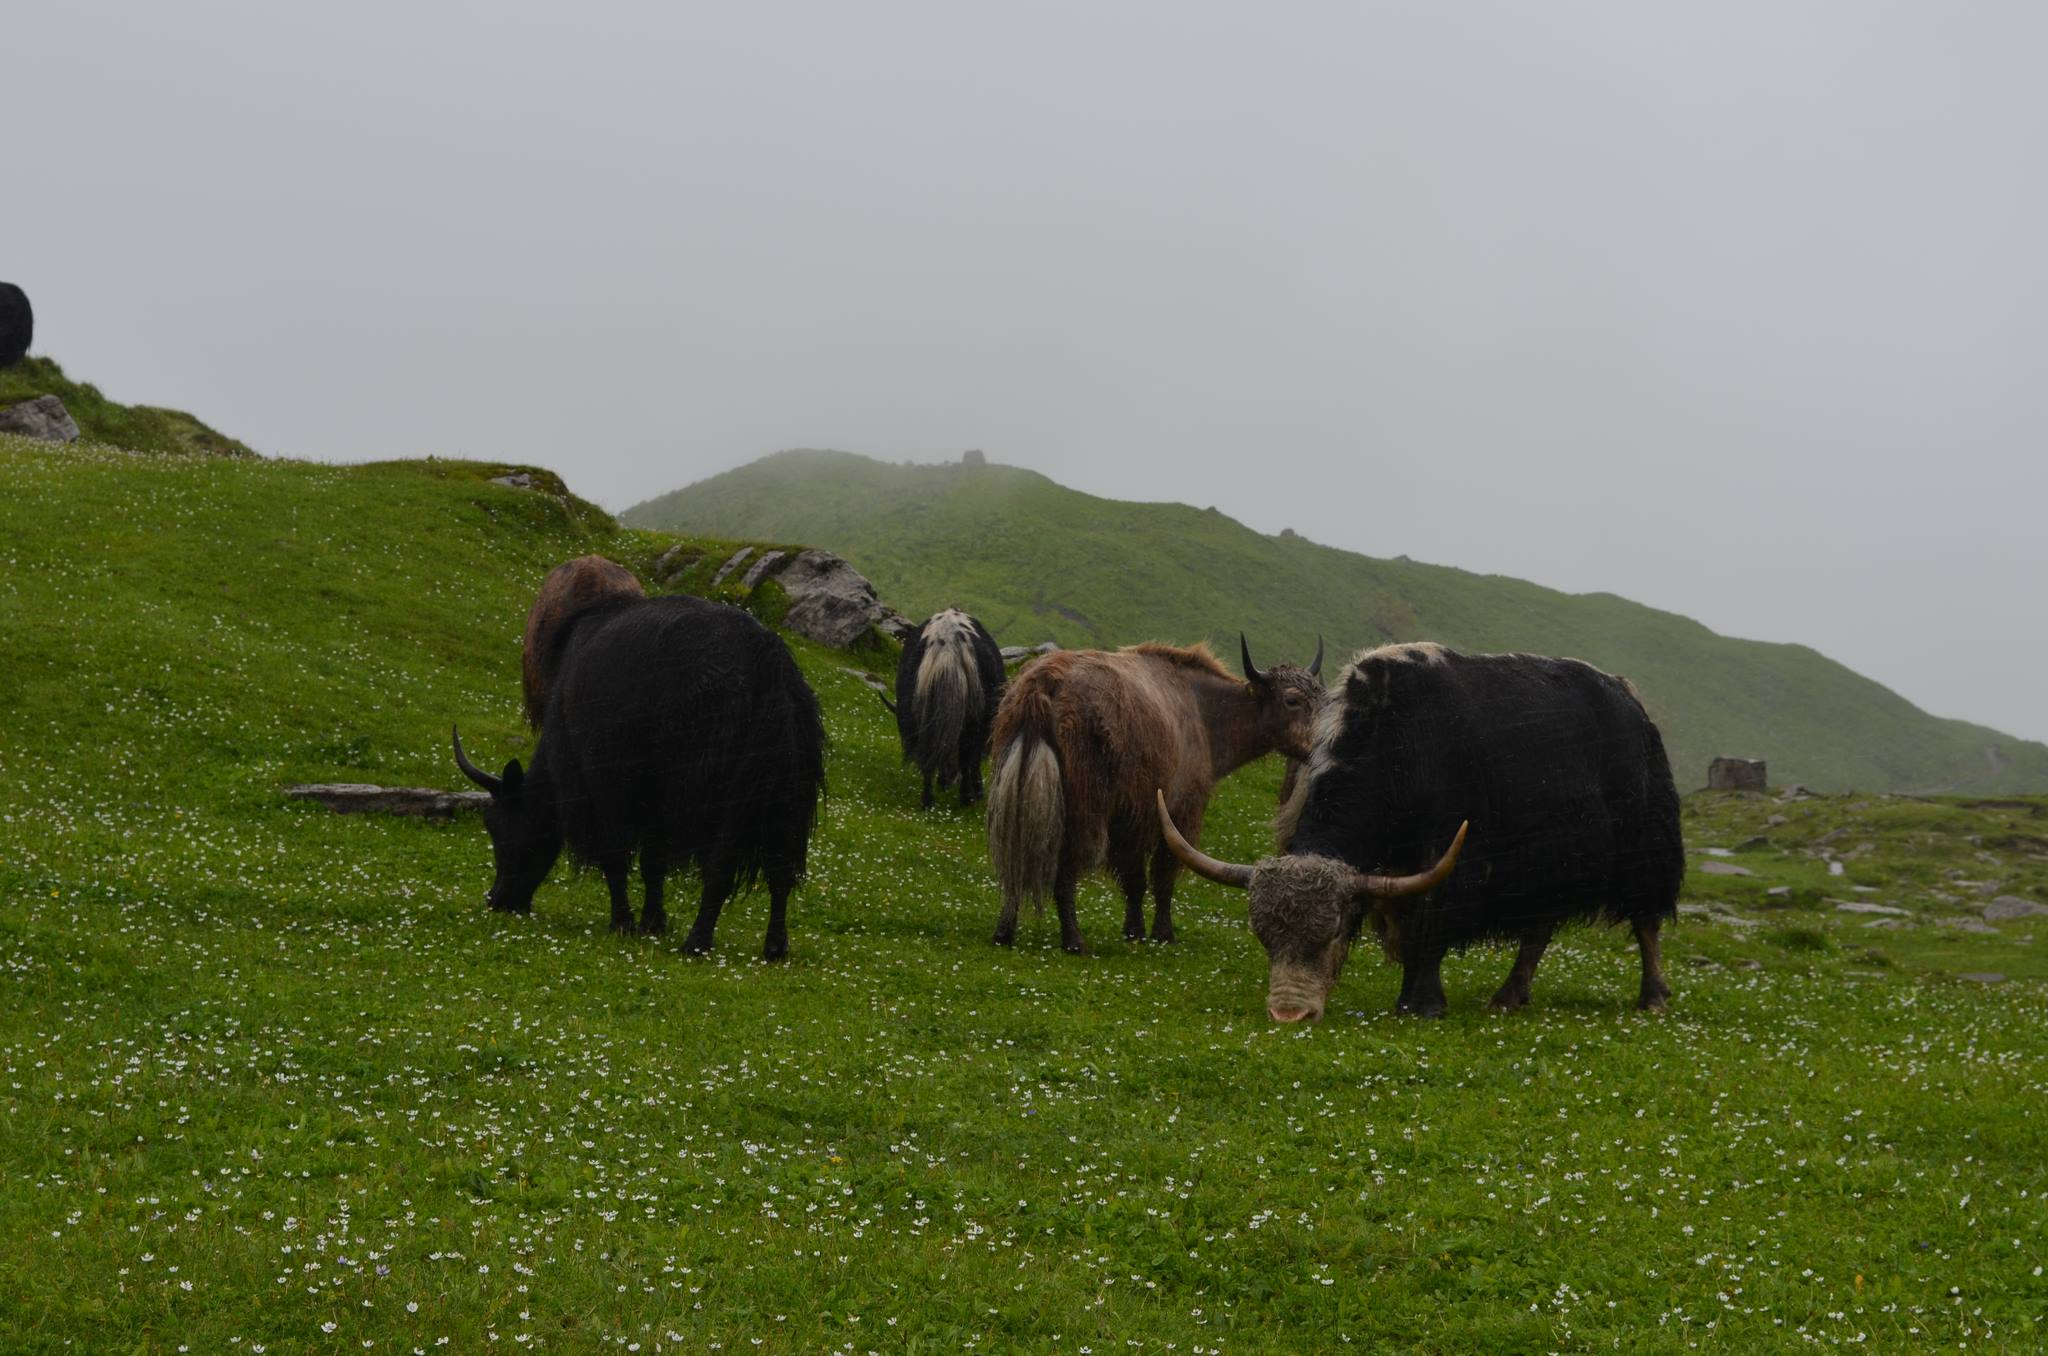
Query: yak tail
[[947, 693], [1026, 818]]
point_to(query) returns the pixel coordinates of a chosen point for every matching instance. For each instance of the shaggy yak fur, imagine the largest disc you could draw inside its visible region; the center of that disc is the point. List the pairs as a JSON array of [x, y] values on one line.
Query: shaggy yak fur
[[1082, 740], [568, 586], [947, 686], [1562, 776], [676, 727]]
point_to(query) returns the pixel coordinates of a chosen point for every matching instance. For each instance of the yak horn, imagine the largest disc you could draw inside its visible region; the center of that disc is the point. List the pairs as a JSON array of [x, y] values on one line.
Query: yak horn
[[1315, 666], [886, 703], [1196, 860], [1251, 670], [472, 771], [1388, 887]]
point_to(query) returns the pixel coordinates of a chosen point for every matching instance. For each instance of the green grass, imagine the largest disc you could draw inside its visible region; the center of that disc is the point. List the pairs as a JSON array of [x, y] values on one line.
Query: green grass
[[268, 1069], [139, 428], [1035, 560]]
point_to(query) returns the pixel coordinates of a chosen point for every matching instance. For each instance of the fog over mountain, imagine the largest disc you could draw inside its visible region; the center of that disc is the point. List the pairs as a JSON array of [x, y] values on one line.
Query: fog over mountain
[[1738, 310]]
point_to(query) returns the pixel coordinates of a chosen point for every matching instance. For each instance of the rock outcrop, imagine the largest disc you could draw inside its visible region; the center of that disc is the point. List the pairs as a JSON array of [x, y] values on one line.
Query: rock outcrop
[[1735, 774], [44, 418]]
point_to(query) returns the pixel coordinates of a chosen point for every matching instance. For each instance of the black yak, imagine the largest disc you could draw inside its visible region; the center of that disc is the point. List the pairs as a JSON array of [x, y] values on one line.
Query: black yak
[[1572, 813], [680, 728], [1082, 739], [568, 586], [947, 686]]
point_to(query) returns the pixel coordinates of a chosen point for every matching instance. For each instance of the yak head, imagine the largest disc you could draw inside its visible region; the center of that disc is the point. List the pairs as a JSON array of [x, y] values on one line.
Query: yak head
[[1305, 909], [525, 839], [1287, 698]]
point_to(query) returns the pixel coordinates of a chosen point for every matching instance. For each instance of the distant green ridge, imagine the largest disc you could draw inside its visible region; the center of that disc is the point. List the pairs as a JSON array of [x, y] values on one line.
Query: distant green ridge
[[138, 428], [1036, 560]]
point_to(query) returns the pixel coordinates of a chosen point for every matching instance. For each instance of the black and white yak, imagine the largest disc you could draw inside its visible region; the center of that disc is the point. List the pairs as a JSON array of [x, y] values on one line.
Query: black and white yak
[[680, 729], [1571, 808], [947, 686]]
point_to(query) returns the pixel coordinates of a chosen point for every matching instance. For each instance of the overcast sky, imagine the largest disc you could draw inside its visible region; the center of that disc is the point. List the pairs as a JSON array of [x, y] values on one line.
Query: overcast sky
[[1739, 310]]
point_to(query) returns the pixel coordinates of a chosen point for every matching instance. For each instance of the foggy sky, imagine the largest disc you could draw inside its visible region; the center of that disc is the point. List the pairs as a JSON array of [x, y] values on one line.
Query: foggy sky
[[1739, 310]]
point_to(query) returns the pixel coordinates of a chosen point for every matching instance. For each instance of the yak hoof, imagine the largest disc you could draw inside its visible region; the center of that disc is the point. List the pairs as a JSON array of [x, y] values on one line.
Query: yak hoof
[[775, 949], [1421, 1009], [1077, 947], [655, 926], [1508, 1002], [1165, 936], [1004, 938], [1654, 1002], [695, 945], [623, 924]]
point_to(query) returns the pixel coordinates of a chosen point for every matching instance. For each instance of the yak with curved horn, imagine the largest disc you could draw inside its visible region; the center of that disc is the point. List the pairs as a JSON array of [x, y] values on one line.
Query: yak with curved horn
[[1084, 736], [1557, 762]]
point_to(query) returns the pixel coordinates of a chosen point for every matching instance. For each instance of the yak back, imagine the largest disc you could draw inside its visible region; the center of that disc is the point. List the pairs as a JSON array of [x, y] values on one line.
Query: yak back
[[568, 588], [1555, 763], [684, 725], [952, 637]]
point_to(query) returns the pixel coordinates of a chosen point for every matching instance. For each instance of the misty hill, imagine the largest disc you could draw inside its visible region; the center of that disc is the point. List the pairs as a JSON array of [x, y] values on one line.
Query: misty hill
[[139, 428], [1036, 560]]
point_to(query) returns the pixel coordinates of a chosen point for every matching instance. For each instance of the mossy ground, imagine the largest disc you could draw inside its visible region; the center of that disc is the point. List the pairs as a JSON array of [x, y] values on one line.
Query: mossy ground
[[275, 1081]]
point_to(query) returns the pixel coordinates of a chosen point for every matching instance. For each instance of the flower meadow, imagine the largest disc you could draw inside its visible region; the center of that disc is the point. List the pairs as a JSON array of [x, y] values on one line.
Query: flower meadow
[[273, 1079]]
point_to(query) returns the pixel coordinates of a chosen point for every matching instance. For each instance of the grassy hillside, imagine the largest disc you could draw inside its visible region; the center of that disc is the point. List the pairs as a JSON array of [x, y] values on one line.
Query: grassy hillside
[[1038, 561], [139, 428], [275, 1080]]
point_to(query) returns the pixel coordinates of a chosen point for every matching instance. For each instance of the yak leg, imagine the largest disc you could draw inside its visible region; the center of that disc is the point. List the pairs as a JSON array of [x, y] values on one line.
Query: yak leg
[[1514, 991], [653, 868], [717, 889], [971, 741], [1422, 984], [1006, 925], [1165, 868], [1129, 869], [781, 880], [1065, 884], [1656, 993], [928, 799], [616, 867]]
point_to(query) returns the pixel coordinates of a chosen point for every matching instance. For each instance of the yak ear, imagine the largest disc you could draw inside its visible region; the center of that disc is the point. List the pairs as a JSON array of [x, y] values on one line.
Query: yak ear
[[513, 776]]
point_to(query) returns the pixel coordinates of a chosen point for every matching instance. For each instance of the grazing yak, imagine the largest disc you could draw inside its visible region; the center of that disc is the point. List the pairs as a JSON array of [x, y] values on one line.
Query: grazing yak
[[1082, 739], [680, 728], [1572, 814], [947, 686], [568, 586]]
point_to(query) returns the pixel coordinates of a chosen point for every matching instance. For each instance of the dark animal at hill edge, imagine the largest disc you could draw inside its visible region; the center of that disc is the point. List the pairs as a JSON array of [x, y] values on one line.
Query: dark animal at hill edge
[[1084, 736], [677, 727], [947, 686], [1562, 776], [17, 324], [568, 586]]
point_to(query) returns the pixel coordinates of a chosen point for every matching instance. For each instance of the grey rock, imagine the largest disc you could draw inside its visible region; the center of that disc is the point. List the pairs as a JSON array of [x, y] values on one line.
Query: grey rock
[[1703, 962], [829, 601], [44, 419], [738, 558], [518, 480], [973, 457], [1795, 792], [1776, 821], [758, 571], [1751, 844], [1749, 965], [1013, 653], [675, 560], [1735, 774], [1865, 906], [1982, 976], [354, 798], [2007, 907], [1711, 868], [1972, 925], [871, 680], [1779, 892], [1885, 923], [896, 626]]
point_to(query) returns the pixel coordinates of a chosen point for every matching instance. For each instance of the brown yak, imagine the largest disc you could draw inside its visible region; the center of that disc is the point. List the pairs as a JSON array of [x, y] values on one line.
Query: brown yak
[[1083, 737], [568, 586]]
